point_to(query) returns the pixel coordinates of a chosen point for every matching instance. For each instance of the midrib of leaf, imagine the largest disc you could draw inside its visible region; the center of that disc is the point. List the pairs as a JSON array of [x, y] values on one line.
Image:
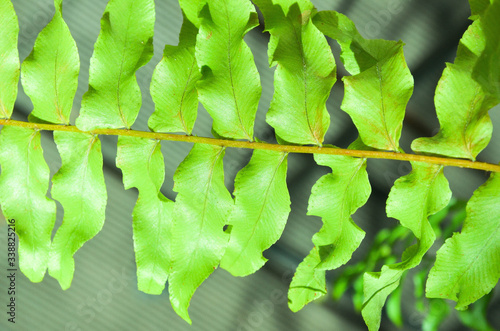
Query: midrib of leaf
[[381, 83], [469, 266], [342, 213], [466, 141], [298, 40], [159, 223], [28, 177], [209, 185], [230, 69], [381, 289], [260, 212], [3, 109], [314, 289], [91, 144], [56, 91], [181, 115], [121, 68]]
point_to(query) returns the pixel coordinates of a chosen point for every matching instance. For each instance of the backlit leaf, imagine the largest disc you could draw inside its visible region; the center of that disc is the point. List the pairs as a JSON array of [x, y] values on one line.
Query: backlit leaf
[[487, 70], [308, 283], [125, 44], [477, 7], [50, 73], [377, 93], [141, 162], [262, 205], [461, 105], [200, 213], [304, 75], [334, 198], [412, 199], [24, 182], [79, 187], [191, 8], [9, 65], [173, 86], [230, 87], [468, 264]]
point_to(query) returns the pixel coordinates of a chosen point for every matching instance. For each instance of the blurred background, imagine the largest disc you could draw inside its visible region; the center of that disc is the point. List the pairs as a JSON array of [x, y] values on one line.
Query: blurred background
[[104, 294]]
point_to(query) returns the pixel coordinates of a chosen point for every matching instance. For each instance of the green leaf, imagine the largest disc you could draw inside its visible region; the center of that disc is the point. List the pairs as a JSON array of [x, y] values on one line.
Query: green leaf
[[438, 312], [191, 10], [141, 162], [9, 66], [393, 307], [173, 86], [308, 283], [79, 187], [477, 7], [262, 205], [377, 93], [230, 87], [125, 44], [24, 182], [468, 264], [304, 75], [461, 105], [414, 197], [476, 317], [200, 213], [487, 70], [334, 198], [50, 73]]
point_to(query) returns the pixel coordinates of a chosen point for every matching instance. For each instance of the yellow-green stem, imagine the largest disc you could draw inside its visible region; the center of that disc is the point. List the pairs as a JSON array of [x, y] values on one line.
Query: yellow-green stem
[[445, 161]]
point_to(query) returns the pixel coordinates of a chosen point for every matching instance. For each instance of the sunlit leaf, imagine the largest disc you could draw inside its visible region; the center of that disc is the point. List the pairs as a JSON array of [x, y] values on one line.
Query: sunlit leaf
[[173, 86], [230, 87], [308, 283], [461, 105], [477, 7], [200, 213], [304, 75], [487, 70], [54, 59], [334, 198], [377, 93], [9, 65], [79, 187], [414, 197], [262, 205], [141, 162], [24, 182], [468, 264], [125, 44]]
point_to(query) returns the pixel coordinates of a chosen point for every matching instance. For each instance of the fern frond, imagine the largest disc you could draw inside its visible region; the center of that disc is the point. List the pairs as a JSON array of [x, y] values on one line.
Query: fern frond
[[173, 86], [413, 198], [54, 59], [24, 182], [262, 205], [334, 198], [79, 187], [461, 104], [200, 213], [377, 93], [9, 66], [468, 264], [304, 75], [230, 86], [142, 165], [125, 44]]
